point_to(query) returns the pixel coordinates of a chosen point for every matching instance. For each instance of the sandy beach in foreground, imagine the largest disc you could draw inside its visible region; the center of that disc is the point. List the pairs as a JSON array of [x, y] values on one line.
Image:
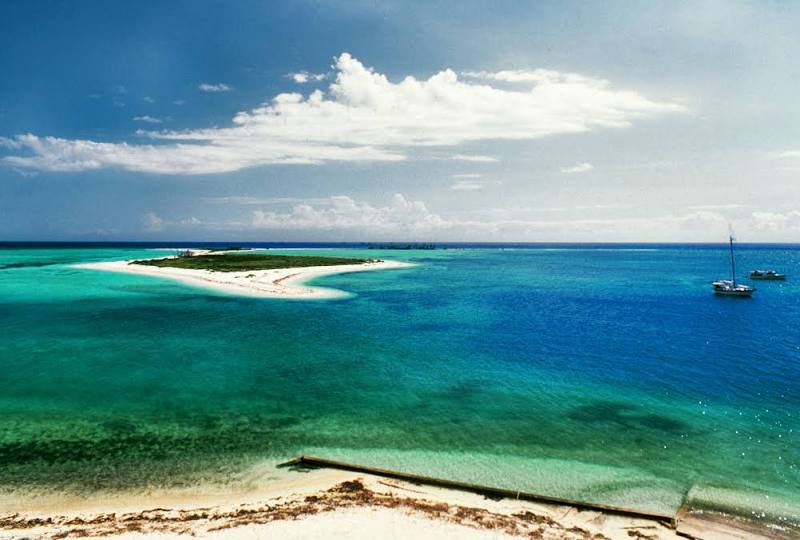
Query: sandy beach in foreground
[[276, 283], [328, 503]]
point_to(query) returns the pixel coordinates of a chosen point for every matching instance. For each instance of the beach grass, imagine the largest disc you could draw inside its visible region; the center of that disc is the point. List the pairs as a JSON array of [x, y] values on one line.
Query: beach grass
[[247, 262]]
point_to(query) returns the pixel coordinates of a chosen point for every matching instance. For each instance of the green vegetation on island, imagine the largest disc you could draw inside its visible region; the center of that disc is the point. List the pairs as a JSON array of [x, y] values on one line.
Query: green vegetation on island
[[402, 246], [228, 248], [234, 262]]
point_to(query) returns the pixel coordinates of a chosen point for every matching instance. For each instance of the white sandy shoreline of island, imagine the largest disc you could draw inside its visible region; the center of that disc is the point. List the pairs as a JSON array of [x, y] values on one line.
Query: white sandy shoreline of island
[[275, 283]]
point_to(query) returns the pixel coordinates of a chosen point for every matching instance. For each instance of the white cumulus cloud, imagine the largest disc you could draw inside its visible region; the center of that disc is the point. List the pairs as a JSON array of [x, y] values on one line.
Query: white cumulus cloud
[[547, 76], [343, 212], [148, 119], [362, 116], [776, 221], [302, 77], [220, 87], [11, 144], [466, 185], [580, 168], [474, 158]]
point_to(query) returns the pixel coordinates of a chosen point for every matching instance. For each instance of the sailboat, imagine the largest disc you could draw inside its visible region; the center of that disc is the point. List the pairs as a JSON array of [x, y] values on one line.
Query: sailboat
[[729, 287]]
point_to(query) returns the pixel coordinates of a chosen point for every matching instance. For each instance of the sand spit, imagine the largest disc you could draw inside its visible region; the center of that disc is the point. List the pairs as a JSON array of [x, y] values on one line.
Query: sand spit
[[276, 283]]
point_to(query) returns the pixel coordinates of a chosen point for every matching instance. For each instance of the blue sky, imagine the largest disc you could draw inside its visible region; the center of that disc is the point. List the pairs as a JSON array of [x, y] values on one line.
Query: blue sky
[[515, 121]]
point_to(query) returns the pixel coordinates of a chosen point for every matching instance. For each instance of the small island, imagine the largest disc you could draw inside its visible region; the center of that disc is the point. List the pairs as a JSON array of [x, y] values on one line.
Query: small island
[[234, 262], [248, 274]]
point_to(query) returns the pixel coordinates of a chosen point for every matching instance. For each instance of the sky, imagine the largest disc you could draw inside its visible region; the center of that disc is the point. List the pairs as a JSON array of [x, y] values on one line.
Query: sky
[[399, 121]]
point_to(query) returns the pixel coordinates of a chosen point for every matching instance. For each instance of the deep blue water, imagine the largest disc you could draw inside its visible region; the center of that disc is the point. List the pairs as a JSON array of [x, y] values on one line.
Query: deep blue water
[[608, 373]]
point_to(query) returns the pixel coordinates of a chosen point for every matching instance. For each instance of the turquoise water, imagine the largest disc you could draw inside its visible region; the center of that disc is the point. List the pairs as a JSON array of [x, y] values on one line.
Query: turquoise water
[[608, 375]]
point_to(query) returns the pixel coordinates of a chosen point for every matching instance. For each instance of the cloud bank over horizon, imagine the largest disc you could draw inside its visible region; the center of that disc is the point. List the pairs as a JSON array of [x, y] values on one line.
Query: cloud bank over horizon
[[362, 117], [402, 217]]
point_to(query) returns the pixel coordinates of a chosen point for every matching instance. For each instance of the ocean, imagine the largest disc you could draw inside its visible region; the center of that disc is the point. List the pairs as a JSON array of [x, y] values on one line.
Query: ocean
[[600, 373]]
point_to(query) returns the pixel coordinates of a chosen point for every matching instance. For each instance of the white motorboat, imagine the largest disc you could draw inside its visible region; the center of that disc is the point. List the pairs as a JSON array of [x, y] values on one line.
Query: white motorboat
[[767, 275]]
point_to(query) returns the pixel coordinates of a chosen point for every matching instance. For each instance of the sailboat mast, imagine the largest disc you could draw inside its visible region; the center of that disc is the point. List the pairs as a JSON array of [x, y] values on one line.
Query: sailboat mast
[[733, 268]]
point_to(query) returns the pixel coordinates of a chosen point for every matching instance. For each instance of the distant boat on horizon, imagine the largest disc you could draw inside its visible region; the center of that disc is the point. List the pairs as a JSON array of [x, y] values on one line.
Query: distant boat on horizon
[[729, 287], [767, 275]]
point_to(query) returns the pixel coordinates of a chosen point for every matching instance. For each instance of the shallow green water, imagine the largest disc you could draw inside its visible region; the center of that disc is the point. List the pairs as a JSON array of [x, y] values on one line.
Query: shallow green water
[[564, 372]]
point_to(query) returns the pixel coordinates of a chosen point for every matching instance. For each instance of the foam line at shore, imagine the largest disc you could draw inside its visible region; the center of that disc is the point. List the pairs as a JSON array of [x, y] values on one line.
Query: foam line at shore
[[286, 283]]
